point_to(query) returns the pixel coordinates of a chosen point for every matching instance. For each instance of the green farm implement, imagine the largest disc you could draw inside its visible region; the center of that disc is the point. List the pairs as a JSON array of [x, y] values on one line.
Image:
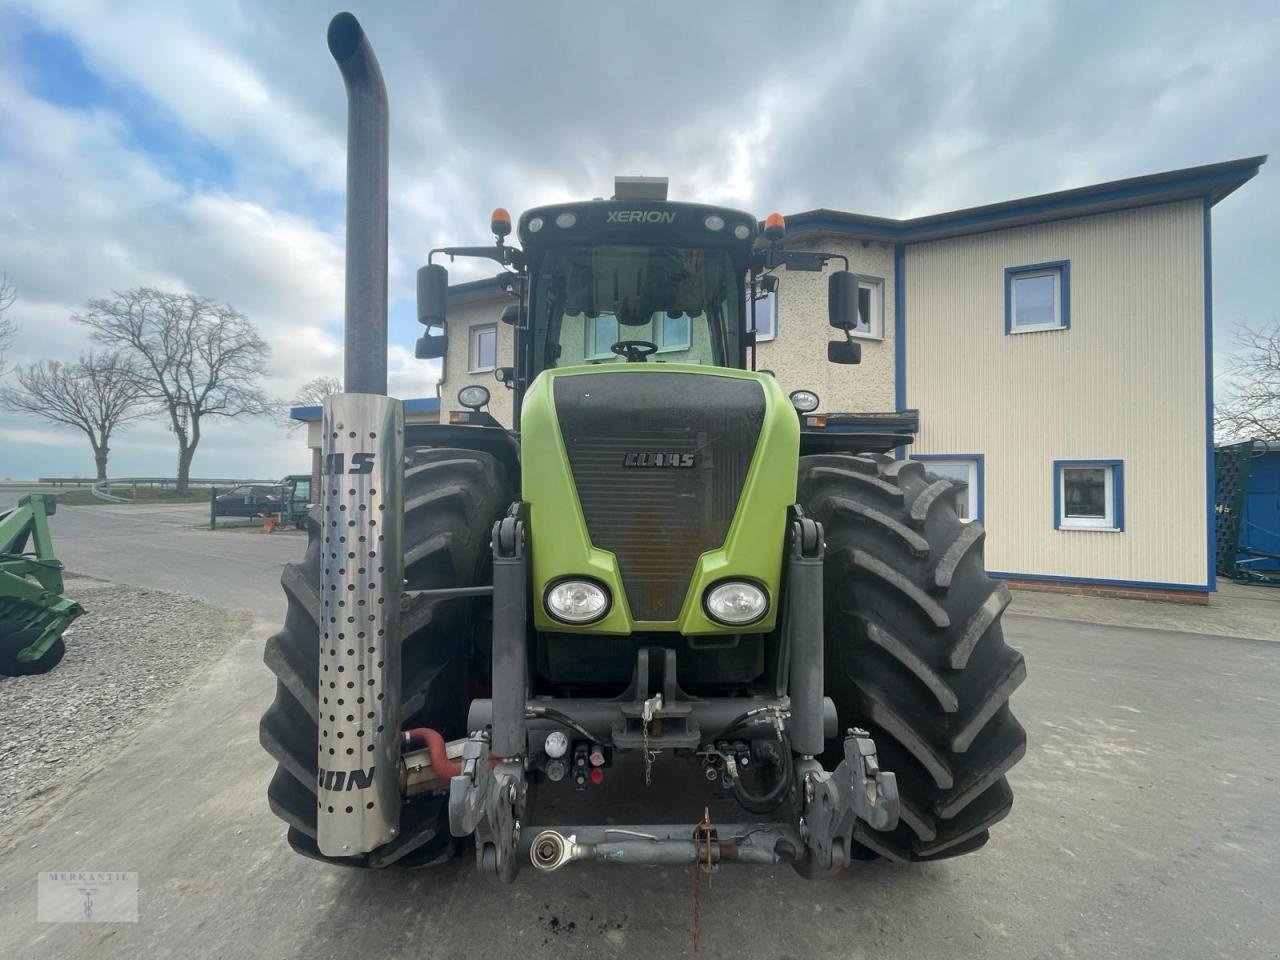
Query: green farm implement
[[33, 612]]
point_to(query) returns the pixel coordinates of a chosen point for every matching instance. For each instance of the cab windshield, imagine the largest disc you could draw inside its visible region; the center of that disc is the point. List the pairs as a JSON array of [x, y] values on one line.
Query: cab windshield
[[682, 303]]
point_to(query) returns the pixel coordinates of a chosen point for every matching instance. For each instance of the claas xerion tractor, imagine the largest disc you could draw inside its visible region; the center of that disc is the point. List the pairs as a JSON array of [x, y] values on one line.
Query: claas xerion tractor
[[665, 577]]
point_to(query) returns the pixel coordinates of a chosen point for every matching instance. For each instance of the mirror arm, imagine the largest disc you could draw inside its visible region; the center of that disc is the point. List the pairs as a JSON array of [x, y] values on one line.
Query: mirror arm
[[507, 256], [775, 257]]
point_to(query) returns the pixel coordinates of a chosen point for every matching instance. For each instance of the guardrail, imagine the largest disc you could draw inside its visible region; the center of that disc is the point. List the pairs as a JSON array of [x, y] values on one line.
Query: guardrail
[[143, 481], [102, 488]]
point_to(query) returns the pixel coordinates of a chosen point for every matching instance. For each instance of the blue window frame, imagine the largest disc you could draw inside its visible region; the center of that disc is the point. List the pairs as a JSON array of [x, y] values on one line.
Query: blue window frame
[[1088, 495], [967, 467], [1037, 297]]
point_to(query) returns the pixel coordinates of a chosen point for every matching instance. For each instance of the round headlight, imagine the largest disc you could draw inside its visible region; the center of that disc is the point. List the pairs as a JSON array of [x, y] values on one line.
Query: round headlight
[[805, 401], [714, 222], [736, 603], [742, 231], [473, 397], [577, 601], [566, 220], [534, 224]]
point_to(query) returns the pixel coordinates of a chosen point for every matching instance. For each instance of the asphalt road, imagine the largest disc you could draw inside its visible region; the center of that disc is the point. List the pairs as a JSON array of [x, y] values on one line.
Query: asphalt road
[[170, 547], [1147, 825]]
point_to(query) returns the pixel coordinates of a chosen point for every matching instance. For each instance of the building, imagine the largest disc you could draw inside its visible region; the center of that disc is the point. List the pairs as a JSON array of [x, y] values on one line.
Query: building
[[1058, 349]]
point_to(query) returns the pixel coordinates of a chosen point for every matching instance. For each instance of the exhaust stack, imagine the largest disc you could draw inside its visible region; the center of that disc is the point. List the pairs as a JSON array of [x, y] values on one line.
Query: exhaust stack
[[361, 504], [368, 136]]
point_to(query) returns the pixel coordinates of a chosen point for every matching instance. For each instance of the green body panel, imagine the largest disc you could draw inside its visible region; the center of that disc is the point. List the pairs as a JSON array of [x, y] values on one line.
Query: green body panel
[[30, 575], [559, 543]]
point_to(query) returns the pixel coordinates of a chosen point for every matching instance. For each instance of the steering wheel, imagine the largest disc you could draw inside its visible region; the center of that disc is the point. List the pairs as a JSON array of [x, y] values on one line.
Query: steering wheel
[[636, 351]]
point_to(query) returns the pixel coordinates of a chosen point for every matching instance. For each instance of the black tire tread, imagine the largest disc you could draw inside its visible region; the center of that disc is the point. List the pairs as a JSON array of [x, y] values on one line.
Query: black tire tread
[[915, 651], [452, 498]]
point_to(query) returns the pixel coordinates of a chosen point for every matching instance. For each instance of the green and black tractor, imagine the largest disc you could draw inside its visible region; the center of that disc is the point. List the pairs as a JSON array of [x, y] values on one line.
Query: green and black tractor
[[670, 580]]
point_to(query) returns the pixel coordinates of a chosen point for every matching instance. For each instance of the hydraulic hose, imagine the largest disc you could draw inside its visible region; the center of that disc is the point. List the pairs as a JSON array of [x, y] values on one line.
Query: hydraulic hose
[[772, 798], [434, 744]]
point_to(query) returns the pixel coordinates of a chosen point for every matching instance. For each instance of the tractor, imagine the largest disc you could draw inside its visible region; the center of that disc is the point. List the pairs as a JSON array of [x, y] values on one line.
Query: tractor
[[670, 581]]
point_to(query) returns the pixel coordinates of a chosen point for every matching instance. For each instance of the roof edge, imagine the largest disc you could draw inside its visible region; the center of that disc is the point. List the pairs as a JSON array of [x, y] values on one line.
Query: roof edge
[[1214, 181]]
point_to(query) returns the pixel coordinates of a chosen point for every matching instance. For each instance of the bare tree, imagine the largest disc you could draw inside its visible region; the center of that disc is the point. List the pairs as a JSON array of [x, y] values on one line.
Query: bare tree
[[97, 395], [1250, 407], [7, 295], [313, 393], [195, 357]]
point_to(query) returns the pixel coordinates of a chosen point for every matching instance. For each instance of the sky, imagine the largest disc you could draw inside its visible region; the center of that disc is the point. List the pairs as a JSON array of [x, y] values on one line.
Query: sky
[[200, 147]]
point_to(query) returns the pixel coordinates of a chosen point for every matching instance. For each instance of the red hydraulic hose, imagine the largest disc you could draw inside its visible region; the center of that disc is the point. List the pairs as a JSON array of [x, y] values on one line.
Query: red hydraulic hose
[[434, 743]]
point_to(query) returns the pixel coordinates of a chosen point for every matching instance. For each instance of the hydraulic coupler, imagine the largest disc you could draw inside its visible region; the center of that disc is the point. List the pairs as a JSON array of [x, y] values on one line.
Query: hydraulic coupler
[[362, 579]]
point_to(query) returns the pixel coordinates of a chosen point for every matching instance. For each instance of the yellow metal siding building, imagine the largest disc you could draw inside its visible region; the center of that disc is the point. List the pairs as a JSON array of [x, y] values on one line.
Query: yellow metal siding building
[[1124, 381]]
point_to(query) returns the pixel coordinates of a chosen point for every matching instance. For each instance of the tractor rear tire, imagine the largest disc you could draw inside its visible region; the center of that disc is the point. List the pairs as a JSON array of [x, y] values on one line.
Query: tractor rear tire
[[14, 637], [451, 500], [914, 649]]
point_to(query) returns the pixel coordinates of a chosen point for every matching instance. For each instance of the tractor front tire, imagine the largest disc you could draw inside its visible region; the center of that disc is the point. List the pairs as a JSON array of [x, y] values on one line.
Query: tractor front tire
[[451, 500], [14, 638], [914, 649]]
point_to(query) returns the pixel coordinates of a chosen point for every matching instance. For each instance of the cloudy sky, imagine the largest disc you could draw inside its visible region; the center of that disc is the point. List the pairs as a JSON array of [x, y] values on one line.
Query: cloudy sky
[[200, 146]]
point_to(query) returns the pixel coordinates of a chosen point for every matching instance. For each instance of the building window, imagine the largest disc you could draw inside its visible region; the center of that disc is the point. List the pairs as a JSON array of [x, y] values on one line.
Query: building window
[[1088, 494], [673, 333], [966, 468], [870, 309], [482, 348], [670, 334], [601, 333], [766, 317], [1037, 297]]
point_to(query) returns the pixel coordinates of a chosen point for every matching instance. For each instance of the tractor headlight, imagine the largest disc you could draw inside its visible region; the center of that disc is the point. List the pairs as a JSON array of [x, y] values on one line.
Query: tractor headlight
[[736, 602], [804, 401], [577, 601], [473, 397]]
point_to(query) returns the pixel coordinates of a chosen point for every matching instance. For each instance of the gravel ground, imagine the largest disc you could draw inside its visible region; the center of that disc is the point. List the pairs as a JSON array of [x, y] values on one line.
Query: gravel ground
[[128, 655]]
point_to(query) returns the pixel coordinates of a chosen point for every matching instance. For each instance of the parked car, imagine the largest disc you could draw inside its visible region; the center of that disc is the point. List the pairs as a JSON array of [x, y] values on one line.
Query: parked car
[[252, 499]]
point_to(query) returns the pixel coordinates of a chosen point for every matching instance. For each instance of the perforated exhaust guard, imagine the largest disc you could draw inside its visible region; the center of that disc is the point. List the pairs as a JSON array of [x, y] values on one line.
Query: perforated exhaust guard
[[362, 579]]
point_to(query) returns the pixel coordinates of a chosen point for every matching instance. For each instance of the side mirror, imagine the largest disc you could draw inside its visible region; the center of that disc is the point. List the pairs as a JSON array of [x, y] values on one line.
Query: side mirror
[[433, 294], [844, 351], [431, 347], [842, 300], [512, 315]]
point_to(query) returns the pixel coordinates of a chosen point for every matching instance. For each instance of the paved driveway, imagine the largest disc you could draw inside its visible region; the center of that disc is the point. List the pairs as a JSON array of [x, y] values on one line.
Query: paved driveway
[[165, 546], [1147, 825]]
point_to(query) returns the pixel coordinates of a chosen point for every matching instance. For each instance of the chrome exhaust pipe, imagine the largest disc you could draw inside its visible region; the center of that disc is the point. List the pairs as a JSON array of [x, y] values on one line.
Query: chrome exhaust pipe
[[362, 504], [368, 139], [361, 581]]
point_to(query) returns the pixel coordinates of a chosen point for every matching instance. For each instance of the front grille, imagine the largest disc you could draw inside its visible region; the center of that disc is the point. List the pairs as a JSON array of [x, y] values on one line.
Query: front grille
[[658, 519]]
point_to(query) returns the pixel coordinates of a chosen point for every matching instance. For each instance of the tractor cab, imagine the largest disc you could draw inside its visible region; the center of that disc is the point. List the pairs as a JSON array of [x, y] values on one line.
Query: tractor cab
[[635, 279]]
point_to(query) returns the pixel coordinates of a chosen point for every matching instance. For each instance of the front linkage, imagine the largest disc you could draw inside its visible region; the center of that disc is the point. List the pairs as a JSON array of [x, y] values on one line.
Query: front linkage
[[488, 797]]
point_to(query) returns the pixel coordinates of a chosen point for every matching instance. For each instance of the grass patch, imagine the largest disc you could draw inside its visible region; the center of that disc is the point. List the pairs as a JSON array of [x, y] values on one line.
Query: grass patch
[[83, 497]]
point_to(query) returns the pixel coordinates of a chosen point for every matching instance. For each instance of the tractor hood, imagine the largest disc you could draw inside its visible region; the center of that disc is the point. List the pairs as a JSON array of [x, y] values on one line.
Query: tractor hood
[[657, 481]]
